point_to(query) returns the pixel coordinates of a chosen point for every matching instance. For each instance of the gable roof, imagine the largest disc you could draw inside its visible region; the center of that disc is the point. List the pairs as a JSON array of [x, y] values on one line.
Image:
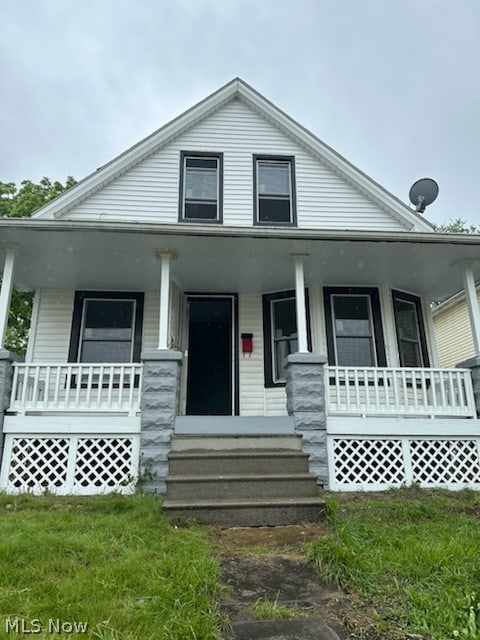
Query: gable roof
[[235, 89]]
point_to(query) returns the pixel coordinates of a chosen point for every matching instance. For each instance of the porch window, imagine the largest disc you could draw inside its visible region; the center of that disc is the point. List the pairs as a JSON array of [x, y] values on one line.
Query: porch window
[[354, 327], [201, 187], [412, 345], [280, 332], [274, 190], [106, 327]]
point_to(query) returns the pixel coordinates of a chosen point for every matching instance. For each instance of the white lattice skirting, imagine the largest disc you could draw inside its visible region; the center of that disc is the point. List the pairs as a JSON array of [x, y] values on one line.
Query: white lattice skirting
[[70, 464], [377, 463]]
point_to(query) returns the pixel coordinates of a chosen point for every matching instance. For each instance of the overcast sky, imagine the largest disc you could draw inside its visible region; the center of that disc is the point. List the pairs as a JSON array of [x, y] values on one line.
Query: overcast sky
[[392, 85]]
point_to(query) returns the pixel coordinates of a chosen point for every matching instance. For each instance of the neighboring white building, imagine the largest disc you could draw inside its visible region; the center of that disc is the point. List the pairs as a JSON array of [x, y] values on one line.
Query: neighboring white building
[[232, 236]]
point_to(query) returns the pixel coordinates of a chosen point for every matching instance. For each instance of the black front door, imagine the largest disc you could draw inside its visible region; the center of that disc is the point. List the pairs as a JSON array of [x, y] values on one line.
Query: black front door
[[210, 356]]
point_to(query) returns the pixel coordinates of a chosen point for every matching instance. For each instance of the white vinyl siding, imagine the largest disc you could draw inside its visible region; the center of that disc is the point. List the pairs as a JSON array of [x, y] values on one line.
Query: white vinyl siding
[[54, 325], [454, 334], [149, 191], [51, 340], [275, 401], [151, 315], [255, 400], [151, 310], [251, 365]]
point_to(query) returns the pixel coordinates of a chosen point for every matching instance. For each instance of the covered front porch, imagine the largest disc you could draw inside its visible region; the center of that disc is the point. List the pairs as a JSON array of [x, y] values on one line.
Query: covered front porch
[[105, 416], [78, 428]]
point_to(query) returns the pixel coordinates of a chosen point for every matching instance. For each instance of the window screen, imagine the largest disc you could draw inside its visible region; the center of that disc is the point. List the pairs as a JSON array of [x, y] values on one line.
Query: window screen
[[106, 326], [107, 331], [201, 187], [353, 331], [274, 197]]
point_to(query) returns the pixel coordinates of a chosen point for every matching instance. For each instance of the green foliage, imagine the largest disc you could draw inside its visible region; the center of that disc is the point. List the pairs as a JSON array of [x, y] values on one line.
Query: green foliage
[[414, 554], [19, 322], [457, 226], [273, 610], [17, 203], [114, 562]]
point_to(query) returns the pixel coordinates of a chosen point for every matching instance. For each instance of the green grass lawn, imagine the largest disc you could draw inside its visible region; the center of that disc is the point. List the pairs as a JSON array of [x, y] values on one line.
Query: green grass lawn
[[112, 562], [414, 554]]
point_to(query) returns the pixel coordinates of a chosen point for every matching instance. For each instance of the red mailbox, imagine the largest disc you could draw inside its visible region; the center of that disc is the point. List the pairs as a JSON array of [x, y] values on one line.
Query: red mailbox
[[247, 342]]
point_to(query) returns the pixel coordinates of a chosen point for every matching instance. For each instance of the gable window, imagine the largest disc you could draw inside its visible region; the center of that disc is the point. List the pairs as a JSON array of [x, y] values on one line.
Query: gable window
[[412, 345], [201, 190], [354, 327], [274, 190], [107, 327], [280, 334]]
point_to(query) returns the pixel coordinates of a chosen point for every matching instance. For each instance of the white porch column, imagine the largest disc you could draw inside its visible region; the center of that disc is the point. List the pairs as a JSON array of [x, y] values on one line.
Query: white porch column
[[472, 303], [6, 293], [301, 307], [165, 256]]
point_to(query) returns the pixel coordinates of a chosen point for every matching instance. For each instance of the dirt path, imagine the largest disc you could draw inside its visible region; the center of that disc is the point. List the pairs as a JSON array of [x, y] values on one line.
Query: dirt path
[[266, 564]]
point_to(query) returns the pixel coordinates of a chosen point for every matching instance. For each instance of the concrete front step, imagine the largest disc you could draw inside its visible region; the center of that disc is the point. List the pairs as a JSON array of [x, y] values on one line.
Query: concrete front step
[[245, 486], [249, 480], [311, 628], [230, 443], [241, 461], [250, 513]]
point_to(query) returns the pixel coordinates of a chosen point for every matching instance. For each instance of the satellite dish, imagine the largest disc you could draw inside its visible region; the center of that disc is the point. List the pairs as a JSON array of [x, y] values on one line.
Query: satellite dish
[[422, 193]]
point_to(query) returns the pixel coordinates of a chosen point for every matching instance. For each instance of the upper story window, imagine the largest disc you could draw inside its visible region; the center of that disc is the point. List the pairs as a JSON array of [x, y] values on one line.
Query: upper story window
[[274, 190], [201, 186]]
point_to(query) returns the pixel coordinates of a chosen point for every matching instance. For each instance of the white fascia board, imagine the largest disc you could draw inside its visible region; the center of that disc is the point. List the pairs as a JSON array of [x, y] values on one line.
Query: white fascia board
[[226, 231], [135, 154]]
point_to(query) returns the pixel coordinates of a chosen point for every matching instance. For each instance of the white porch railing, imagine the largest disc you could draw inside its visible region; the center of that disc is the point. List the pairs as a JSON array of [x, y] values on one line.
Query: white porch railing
[[367, 391], [76, 387]]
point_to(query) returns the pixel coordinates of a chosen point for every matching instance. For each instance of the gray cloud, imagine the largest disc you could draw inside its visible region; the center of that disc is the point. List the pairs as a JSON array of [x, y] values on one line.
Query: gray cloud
[[393, 86]]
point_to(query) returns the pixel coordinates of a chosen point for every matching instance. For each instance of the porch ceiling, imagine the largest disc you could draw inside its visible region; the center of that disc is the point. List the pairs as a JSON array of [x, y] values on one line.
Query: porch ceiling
[[122, 256]]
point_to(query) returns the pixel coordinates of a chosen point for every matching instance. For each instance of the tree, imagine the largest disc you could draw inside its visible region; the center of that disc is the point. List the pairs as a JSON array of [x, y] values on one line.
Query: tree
[[17, 202], [457, 226], [21, 202]]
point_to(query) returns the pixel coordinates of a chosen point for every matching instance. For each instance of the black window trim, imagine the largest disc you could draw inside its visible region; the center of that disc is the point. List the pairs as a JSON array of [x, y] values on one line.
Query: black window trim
[[181, 199], [416, 300], [267, 299], [379, 341], [81, 296], [293, 189]]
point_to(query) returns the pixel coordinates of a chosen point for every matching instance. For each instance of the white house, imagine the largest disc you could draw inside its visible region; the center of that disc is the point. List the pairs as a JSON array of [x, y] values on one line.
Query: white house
[[172, 284]]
